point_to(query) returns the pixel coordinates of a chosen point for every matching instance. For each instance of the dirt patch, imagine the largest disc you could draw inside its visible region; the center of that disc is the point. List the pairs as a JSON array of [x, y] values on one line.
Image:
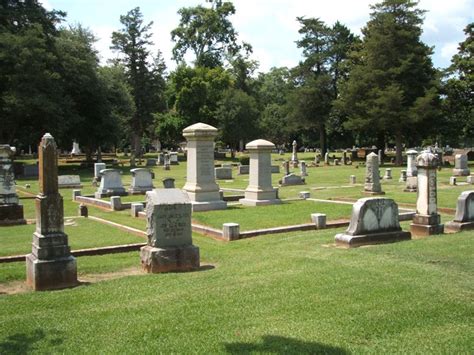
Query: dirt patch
[[11, 288]]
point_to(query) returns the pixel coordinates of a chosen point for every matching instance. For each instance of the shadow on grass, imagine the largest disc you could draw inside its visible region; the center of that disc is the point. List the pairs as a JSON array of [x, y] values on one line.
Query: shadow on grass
[[25, 343], [282, 345]]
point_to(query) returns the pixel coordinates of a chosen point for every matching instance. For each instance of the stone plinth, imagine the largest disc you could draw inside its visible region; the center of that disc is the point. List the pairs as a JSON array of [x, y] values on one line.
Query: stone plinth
[[50, 264], [460, 165], [230, 231], [142, 181], [411, 163], [110, 184], [169, 233], [260, 190], [200, 177], [319, 220], [372, 177], [11, 212], [464, 218], [388, 174], [373, 221], [427, 220]]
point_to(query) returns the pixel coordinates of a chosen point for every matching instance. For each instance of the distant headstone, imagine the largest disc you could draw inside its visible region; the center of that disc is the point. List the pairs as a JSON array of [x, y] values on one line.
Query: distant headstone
[[460, 165], [142, 181], [260, 190], [50, 264], [411, 163], [286, 166], [336, 162], [373, 221], [303, 169], [174, 158], [11, 211], [344, 157], [427, 220], [326, 158], [403, 176], [151, 162], [223, 173], [200, 177], [161, 159], [168, 183], [452, 180], [470, 179], [292, 179], [169, 247], [352, 179], [275, 169], [380, 157], [167, 162], [97, 168], [75, 149], [244, 169], [69, 181], [110, 184], [372, 177], [411, 184], [294, 154], [388, 174], [464, 218]]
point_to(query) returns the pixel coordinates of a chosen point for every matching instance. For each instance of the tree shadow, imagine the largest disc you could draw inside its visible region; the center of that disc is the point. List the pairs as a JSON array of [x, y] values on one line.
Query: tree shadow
[[282, 345], [25, 343]]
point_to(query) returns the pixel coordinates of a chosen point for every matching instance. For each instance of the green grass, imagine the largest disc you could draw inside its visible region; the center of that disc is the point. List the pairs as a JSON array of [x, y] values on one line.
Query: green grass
[[288, 213], [82, 233], [286, 293]]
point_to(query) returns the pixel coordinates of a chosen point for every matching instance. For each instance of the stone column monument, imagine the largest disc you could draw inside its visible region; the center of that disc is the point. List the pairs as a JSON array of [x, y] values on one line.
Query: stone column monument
[[260, 190], [200, 178], [294, 155], [372, 177], [11, 212], [411, 162], [426, 220], [50, 264]]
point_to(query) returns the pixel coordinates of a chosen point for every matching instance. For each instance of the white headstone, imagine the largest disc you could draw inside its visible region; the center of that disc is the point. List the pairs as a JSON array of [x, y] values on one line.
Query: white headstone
[[142, 181], [110, 184], [411, 162]]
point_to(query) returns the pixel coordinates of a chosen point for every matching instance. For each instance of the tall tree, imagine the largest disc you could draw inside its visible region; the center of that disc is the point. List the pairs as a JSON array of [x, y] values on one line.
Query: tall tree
[[144, 73], [208, 33], [391, 87]]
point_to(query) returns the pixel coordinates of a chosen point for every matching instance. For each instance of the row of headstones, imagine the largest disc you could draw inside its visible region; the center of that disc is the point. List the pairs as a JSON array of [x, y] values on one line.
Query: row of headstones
[[164, 159], [375, 220]]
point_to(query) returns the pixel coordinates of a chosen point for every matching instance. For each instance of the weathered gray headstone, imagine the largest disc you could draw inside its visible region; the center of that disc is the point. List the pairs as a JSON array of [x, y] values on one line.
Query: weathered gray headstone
[[372, 177], [388, 174], [460, 165], [110, 184], [411, 184], [168, 183], [303, 169], [427, 220], [260, 190], [275, 169], [403, 176], [11, 212], [411, 162], [244, 169], [50, 264], [373, 221], [464, 218], [292, 179], [142, 181], [380, 157], [470, 179], [174, 158], [97, 168], [200, 177], [69, 181], [169, 246], [223, 173]]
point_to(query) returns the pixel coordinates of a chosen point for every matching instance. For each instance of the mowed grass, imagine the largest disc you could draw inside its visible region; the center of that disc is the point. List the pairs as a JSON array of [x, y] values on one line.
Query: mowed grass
[[82, 233], [284, 214], [288, 293]]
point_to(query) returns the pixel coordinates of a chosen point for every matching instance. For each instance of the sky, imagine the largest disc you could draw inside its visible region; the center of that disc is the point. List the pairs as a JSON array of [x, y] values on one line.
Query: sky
[[270, 26]]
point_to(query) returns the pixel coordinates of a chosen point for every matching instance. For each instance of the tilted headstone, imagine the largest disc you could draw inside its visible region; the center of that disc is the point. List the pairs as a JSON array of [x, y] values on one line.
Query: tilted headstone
[[464, 217], [260, 190], [50, 264], [142, 181], [169, 247], [374, 220], [69, 181], [168, 183], [223, 173], [372, 177], [11, 212], [411, 162], [110, 184], [200, 177], [460, 165], [427, 220]]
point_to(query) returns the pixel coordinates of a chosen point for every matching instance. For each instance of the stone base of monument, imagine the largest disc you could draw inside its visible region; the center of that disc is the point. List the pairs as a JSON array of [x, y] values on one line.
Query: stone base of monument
[[54, 274], [156, 260], [292, 179], [259, 198], [423, 226], [11, 215], [139, 190], [208, 205], [461, 172], [454, 226], [249, 202], [353, 241], [109, 193]]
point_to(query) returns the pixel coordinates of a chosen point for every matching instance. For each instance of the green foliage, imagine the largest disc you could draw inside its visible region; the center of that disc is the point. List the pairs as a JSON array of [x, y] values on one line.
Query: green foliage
[[169, 128]]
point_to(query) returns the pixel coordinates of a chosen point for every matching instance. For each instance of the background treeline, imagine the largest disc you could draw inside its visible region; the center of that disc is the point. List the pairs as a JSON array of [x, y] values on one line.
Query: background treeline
[[376, 90]]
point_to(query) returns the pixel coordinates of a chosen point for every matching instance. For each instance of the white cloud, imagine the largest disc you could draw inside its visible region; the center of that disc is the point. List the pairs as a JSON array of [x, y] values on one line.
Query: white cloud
[[46, 4], [448, 50]]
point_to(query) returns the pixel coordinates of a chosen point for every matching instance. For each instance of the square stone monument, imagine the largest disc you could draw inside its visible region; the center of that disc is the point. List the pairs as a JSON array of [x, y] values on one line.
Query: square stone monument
[[201, 185], [11, 212], [460, 165], [142, 181], [374, 220], [260, 190], [426, 220], [170, 246], [464, 218], [372, 177], [110, 184], [50, 264]]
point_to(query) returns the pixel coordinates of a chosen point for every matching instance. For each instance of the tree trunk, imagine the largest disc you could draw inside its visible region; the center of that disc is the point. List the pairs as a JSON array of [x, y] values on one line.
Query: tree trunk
[[398, 147], [322, 138], [99, 155]]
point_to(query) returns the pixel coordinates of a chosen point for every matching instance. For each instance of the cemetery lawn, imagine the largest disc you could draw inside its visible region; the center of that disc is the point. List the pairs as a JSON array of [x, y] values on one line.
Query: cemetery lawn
[[286, 293]]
